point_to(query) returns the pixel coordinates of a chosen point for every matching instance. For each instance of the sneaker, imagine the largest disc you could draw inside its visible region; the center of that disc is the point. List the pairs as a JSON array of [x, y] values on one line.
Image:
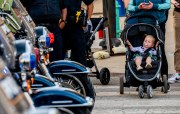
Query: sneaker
[[148, 66], [138, 68], [174, 78]]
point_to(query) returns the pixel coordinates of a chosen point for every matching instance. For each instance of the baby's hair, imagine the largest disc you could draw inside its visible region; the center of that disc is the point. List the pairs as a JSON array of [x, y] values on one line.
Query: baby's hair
[[151, 36]]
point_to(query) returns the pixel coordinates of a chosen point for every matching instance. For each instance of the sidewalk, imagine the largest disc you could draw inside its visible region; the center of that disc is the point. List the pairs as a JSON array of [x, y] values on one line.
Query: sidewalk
[[116, 64]]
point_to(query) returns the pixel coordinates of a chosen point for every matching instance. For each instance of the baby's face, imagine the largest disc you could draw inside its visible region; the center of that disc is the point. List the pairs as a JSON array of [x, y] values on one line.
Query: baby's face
[[148, 42]]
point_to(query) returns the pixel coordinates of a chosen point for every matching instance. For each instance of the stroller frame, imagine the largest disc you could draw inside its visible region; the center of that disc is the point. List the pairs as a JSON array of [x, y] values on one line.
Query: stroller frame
[[104, 74]]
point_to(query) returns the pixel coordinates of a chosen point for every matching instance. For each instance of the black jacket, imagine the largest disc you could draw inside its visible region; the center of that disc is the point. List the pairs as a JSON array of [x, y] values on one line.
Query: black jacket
[[44, 11]]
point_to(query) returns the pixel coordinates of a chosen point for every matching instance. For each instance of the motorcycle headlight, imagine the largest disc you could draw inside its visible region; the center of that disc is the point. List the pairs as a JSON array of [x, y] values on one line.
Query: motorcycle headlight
[[44, 41], [27, 61]]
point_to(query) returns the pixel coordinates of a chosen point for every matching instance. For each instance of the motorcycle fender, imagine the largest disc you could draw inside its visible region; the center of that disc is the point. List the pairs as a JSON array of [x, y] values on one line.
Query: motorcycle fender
[[57, 97], [41, 81], [67, 67]]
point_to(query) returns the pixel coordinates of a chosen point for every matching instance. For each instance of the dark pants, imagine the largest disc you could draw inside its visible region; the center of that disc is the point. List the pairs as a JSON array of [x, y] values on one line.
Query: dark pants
[[75, 41], [164, 68], [57, 53]]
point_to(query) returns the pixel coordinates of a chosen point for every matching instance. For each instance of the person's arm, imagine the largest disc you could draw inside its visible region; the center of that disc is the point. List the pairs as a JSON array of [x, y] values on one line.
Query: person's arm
[[62, 22], [132, 7], [175, 3], [64, 14], [163, 6], [90, 8], [130, 45]]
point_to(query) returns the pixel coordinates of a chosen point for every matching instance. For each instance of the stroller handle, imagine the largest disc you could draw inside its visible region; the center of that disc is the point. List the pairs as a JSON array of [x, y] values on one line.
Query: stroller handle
[[90, 41], [143, 16], [103, 19]]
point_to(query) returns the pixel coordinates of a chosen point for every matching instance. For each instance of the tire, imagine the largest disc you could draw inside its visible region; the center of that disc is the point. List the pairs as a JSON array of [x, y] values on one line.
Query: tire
[[149, 91], [104, 76], [88, 86], [121, 85], [65, 111], [165, 81], [72, 82], [75, 110], [141, 91]]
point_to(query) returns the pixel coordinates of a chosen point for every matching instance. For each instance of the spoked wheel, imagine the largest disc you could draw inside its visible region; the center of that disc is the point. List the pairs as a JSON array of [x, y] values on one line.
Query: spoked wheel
[[104, 76], [72, 82], [121, 85], [141, 91], [149, 91], [166, 85]]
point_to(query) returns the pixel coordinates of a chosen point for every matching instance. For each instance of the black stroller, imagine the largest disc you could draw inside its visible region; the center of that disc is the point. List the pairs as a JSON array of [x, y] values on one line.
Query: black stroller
[[104, 74], [145, 80]]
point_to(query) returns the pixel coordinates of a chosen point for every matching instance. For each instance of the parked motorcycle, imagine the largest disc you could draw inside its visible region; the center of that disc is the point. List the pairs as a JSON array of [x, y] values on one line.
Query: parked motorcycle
[[11, 95]]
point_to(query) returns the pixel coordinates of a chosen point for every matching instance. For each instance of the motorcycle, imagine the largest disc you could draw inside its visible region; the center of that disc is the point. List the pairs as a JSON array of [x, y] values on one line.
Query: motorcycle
[[11, 95]]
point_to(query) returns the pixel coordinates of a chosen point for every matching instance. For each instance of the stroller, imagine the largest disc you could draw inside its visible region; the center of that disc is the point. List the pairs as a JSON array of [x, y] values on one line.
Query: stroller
[[147, 79], [104, 74]]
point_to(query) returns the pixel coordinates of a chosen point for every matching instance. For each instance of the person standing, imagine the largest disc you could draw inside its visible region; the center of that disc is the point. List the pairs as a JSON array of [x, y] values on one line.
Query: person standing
[[157, 9], [176, 14], [74, 35], [52, 14]]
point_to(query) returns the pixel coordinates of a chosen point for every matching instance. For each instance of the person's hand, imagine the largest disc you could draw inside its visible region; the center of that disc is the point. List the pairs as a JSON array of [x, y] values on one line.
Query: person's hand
[[62, 25], [147, 6], [84, 28], [157, 44], [140, 6], [128, 43], [177, 5]]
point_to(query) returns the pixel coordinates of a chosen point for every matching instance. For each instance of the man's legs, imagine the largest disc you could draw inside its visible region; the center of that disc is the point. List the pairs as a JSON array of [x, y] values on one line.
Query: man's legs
[[57, 53], [78, 46], [175, 77]]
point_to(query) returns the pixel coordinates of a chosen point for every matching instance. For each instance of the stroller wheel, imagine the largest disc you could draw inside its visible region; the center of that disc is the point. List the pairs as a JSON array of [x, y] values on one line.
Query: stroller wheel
[[149, 91], [165, 81], [104, 76], [141, 91], [121, 85]]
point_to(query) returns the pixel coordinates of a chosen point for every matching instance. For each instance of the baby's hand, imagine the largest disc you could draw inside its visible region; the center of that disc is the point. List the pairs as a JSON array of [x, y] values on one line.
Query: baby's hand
[[127, 41], [157, 44]]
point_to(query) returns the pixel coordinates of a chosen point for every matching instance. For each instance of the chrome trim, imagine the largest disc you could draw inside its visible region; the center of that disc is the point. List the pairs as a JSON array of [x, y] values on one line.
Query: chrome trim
[[89, 103], [67, 101], [37, 85], [67, 70], [72, 73]]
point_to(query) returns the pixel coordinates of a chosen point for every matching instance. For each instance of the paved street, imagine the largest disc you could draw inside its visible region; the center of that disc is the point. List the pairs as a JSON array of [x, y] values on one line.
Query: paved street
[[109, 100]]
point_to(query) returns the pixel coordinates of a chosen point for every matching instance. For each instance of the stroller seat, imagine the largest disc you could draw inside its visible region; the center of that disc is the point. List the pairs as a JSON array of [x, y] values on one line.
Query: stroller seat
[[145, 73]]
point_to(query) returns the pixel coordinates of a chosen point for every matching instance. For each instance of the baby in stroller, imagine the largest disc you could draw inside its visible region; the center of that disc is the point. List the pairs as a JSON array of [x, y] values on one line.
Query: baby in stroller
[[147, 51], [143, 66]]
